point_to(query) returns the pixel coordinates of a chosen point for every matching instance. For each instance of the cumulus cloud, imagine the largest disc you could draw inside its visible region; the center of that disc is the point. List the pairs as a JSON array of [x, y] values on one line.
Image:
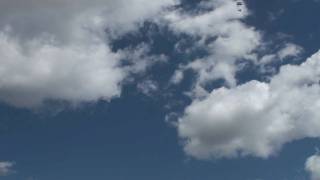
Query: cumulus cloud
[[5, 168], [62, 18], [255, 118], [59, 49], [219, 29], [77, 72], [312, 166], [222, 33]]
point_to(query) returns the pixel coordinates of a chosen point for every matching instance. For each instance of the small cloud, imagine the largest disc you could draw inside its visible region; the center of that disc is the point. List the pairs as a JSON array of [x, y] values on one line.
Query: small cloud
[[5, 168], [147, 87], [312, 166], [177, 77], [273, 16], [290, 50]]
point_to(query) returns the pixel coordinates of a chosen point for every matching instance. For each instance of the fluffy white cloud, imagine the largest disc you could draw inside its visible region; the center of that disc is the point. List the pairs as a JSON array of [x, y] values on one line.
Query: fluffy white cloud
[[208, 23], [5, 168], [312, 166], [222, 33], [77, 72], [255, 118], [58, 49], [62, 18]]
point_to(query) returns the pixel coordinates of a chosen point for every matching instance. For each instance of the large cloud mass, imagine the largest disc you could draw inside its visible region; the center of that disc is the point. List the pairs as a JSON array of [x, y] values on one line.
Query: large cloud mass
[[58, 49], [255, 118]]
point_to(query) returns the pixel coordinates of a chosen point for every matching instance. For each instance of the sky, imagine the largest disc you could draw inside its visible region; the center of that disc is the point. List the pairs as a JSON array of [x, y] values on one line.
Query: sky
[[160, 90]]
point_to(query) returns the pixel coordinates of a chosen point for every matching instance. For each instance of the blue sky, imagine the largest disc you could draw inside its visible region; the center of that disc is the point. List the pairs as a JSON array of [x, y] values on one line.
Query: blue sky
[[170, 89]]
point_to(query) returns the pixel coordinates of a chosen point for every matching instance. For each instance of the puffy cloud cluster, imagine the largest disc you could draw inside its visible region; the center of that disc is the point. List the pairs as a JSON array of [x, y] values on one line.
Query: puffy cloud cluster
[[222, 33], [5, 168], [58, 49], [312, 166], [256, 118], [228, 40]]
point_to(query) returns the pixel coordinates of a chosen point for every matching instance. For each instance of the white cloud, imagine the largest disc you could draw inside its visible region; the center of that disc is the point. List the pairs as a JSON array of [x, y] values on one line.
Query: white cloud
[[147, 87], [77, 72], [312, 166], [255, 118], [231, 39], [227, 39], [5, 168], [290, 50], [63, 17], [59, 49], [209, 23], [177, 77]]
